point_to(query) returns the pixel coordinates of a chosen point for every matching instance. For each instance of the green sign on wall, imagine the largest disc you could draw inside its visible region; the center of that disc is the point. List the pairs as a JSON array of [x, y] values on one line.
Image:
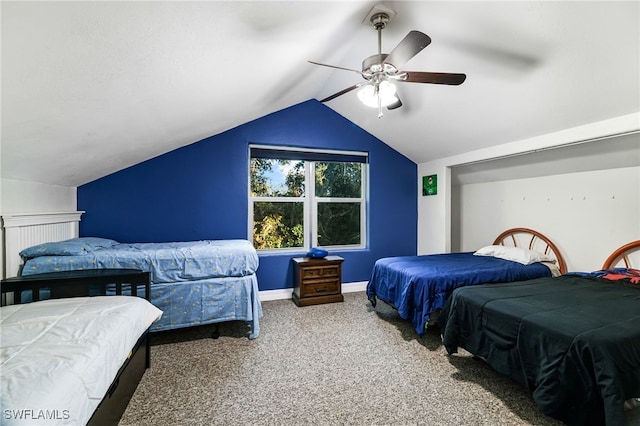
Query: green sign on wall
[[430, 185]]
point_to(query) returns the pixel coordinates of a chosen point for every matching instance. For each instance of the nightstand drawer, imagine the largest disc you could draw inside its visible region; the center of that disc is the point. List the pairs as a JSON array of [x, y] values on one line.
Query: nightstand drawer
[[320, 287], [332, 271]]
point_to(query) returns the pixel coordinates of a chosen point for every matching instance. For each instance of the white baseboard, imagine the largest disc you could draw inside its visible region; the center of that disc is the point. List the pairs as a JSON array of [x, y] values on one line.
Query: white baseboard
[[353, 287], [287, 292], [275, 294]]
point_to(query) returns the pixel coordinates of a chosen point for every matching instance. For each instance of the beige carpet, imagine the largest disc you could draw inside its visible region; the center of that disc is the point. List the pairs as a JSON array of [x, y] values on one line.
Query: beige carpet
[[339, 363]]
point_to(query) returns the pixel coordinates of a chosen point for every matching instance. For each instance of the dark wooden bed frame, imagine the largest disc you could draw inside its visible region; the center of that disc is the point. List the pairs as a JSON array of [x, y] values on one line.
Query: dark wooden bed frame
[[82, 283]]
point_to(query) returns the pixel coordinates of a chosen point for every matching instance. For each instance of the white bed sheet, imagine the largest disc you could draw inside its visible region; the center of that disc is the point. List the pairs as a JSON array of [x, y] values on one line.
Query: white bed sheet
[[59, 357]]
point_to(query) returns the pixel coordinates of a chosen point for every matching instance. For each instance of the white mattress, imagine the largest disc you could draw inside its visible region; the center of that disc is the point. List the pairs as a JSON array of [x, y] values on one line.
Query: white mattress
[[59, 357]]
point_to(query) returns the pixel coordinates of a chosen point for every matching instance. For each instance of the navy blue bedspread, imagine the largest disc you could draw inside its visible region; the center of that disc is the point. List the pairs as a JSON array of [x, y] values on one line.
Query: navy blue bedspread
[[419, 285]]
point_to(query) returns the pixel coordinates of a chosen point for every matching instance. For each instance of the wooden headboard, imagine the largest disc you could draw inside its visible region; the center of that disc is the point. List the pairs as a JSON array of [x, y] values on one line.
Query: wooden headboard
[[534, 240], [622, 255]]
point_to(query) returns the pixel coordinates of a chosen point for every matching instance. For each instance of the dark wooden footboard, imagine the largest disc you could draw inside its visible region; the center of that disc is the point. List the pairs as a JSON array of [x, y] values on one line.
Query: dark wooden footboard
[[90, 282]]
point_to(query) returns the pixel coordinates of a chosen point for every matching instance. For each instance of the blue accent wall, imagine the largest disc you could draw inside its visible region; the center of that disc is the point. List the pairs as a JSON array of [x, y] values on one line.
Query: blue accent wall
[[201, 191]]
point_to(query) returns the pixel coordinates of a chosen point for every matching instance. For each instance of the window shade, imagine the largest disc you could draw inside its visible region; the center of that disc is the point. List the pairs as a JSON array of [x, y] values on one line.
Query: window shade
[[285, 154]]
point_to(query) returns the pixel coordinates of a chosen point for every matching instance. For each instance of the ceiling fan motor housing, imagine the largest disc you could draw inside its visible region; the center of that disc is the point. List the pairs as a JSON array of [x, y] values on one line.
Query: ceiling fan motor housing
[[375, 64]]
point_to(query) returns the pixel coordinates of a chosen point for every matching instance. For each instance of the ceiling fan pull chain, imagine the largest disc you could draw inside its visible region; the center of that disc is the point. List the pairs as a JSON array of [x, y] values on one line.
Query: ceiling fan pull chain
[[377, 93]]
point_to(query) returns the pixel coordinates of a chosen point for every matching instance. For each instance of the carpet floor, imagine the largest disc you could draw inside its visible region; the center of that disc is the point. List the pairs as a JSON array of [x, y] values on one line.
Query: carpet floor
[[334, 364]]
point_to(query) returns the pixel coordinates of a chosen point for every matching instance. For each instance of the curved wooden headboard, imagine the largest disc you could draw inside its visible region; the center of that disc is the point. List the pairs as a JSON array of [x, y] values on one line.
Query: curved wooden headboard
[[622, 254], [533, 236]]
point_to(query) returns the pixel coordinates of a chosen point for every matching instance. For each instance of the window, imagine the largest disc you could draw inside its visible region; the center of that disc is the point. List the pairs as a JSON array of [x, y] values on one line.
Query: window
[[305, 199]]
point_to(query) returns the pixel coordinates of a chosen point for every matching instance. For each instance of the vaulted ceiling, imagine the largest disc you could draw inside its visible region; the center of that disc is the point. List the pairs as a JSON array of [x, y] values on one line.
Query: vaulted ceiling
[[89, 88]]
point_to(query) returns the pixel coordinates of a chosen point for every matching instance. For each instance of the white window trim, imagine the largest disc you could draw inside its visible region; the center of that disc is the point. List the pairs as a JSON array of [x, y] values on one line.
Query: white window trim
[[310, 238]]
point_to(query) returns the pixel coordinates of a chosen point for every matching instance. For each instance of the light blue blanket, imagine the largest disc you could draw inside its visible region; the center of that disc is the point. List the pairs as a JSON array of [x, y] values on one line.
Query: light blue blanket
[[208, 301], [167, 262], [193, 283]]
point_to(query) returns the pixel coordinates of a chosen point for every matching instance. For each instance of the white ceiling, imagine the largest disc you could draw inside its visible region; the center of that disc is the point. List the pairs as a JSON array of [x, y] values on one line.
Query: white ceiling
[[89, 88]]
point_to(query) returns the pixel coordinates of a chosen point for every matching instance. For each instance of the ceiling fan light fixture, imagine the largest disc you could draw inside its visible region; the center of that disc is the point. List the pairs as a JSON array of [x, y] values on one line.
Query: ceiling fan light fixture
[[386, 93], [379, 69]]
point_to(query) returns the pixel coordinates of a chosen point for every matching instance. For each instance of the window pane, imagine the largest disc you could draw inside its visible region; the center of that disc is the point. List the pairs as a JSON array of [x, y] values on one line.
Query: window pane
[[277, 225], [276, 178], [338, 224], [338, 180]]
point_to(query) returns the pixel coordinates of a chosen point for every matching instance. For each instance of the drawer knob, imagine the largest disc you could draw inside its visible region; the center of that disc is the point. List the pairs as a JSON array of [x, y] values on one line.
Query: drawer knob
[[319, 289]]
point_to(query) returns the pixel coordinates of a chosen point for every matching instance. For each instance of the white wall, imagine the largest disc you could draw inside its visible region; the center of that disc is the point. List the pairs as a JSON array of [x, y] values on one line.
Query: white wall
[[31, 197], [587, 215], [440, 229], [18, 196]]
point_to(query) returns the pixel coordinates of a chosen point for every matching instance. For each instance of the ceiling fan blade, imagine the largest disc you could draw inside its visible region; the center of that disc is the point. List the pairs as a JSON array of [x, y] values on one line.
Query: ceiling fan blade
[[395, 105], [432, 77], [342, 92], [334, 66], [409, 47]]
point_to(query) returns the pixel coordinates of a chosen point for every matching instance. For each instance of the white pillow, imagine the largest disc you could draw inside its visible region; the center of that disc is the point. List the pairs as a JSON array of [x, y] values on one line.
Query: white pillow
[[516, 254]]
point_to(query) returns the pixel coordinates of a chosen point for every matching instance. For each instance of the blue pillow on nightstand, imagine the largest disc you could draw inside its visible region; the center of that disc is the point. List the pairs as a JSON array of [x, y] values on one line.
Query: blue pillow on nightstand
[[317, 253]]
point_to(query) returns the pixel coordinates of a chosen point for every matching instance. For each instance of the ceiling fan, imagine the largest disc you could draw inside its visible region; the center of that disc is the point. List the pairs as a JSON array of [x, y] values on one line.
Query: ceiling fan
[[380, 71]]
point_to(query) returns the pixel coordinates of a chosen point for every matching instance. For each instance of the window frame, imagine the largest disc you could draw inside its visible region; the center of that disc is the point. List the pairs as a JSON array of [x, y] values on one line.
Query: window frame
[[310, 201]]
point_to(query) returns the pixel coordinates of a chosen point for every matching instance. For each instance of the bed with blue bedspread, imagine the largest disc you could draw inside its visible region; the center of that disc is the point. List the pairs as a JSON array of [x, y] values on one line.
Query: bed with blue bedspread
[[193, 283], [419, 286]]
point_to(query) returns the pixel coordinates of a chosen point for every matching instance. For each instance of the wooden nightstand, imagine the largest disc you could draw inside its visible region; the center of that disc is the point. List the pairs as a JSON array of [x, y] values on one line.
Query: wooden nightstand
[[317, 280]]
